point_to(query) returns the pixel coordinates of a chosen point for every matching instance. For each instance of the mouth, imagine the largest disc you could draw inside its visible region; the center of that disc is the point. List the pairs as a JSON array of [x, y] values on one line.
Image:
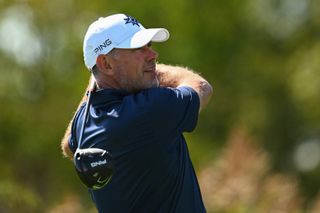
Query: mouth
[[150, 69]]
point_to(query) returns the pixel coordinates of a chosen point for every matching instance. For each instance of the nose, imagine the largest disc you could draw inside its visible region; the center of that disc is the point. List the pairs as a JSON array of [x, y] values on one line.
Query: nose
[[152, 54]]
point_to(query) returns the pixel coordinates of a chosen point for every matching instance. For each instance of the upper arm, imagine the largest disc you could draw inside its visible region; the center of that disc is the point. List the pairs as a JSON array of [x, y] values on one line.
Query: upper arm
[[173, 109], [70, 143], [175, 76]]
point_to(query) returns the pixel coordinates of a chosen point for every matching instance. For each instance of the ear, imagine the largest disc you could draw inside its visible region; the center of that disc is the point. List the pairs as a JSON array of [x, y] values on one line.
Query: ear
[[104, 64]]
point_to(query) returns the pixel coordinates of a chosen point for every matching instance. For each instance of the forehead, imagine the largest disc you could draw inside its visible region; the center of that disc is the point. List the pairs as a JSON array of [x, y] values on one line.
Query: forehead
[[120, 53]]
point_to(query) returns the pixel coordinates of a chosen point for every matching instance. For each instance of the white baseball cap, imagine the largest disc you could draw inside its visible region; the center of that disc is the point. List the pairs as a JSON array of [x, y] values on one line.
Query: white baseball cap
[[117, 31]]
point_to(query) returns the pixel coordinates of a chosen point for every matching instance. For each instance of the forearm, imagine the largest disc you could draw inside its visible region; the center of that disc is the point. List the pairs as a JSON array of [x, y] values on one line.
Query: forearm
[[173, 76], [64, 143]]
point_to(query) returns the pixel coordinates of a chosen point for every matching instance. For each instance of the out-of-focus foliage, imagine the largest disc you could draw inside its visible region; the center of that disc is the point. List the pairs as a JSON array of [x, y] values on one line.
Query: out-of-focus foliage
[[262, 57]]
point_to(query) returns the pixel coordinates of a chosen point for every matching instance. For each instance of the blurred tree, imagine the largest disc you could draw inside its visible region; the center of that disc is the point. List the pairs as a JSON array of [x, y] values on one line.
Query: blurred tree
[[262, 58]]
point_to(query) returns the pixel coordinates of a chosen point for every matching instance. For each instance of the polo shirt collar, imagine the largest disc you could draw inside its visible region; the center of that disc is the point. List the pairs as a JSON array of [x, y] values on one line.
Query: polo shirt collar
[[107, 95]]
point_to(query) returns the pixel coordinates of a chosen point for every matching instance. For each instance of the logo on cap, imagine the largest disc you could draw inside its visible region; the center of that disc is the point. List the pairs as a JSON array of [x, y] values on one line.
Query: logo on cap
[[131, 20], [105, 44]]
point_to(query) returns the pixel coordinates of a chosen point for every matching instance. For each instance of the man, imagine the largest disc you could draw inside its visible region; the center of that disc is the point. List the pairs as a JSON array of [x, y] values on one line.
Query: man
[[138, 114]]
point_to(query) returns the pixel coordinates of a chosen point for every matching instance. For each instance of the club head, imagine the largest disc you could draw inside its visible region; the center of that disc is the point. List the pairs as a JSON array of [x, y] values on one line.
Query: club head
[[94, 167]]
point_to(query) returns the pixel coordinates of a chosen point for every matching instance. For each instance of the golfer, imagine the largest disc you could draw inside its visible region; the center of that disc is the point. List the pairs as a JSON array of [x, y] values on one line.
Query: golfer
[[138, 113]]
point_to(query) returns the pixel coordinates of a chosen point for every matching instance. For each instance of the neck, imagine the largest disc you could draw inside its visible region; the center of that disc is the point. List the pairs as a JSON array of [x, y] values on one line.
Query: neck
[[107, 83]]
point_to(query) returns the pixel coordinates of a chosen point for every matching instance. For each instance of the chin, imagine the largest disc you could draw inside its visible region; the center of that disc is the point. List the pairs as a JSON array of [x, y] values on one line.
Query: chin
[[144, 85]]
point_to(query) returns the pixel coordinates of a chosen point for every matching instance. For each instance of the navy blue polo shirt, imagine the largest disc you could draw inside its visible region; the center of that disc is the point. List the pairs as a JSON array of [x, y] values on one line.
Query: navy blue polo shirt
[[143, 132]]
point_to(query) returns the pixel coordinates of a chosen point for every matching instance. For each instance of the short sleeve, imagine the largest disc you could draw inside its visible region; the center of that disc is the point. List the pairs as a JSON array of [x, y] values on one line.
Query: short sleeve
[[72, 141], [173, 108], [72, 144]]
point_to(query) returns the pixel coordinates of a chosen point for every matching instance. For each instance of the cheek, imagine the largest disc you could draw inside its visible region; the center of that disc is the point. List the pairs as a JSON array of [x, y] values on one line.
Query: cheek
[[135, 68], [130, 65], [132, 68], [128, 72]]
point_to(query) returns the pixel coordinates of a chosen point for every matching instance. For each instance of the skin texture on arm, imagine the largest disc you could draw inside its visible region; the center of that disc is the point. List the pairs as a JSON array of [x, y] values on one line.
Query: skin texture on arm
[[174, 76]]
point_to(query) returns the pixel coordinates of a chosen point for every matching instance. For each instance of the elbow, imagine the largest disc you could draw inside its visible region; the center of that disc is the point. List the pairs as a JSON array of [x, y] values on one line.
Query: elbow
[[210, 89], [205, 94], [207, 89]]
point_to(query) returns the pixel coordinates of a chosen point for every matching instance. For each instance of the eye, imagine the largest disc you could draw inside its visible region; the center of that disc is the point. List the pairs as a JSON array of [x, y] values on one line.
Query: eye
[[143, 47]]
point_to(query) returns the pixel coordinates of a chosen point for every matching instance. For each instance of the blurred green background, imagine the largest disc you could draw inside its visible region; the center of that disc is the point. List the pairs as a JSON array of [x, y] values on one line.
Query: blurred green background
[[257, 145]]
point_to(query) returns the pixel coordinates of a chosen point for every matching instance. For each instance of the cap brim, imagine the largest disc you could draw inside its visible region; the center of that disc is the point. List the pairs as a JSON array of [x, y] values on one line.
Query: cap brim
[[143, 37]]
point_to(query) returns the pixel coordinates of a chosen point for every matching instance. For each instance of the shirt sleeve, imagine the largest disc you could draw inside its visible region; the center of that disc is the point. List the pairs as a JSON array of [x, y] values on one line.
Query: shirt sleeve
[[173, 108], [72, 142]]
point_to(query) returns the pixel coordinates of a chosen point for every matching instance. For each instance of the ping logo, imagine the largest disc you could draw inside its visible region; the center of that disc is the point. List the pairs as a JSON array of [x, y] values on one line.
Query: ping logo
[[98, 163], [105, 44]]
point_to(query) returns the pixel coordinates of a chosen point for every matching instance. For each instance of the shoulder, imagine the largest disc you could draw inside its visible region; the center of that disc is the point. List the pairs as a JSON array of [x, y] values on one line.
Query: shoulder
[[163, 94], [162, 99]]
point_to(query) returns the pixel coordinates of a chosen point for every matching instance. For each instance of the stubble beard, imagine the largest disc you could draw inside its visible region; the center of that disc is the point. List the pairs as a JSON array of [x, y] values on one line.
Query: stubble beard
[[134, 86]]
